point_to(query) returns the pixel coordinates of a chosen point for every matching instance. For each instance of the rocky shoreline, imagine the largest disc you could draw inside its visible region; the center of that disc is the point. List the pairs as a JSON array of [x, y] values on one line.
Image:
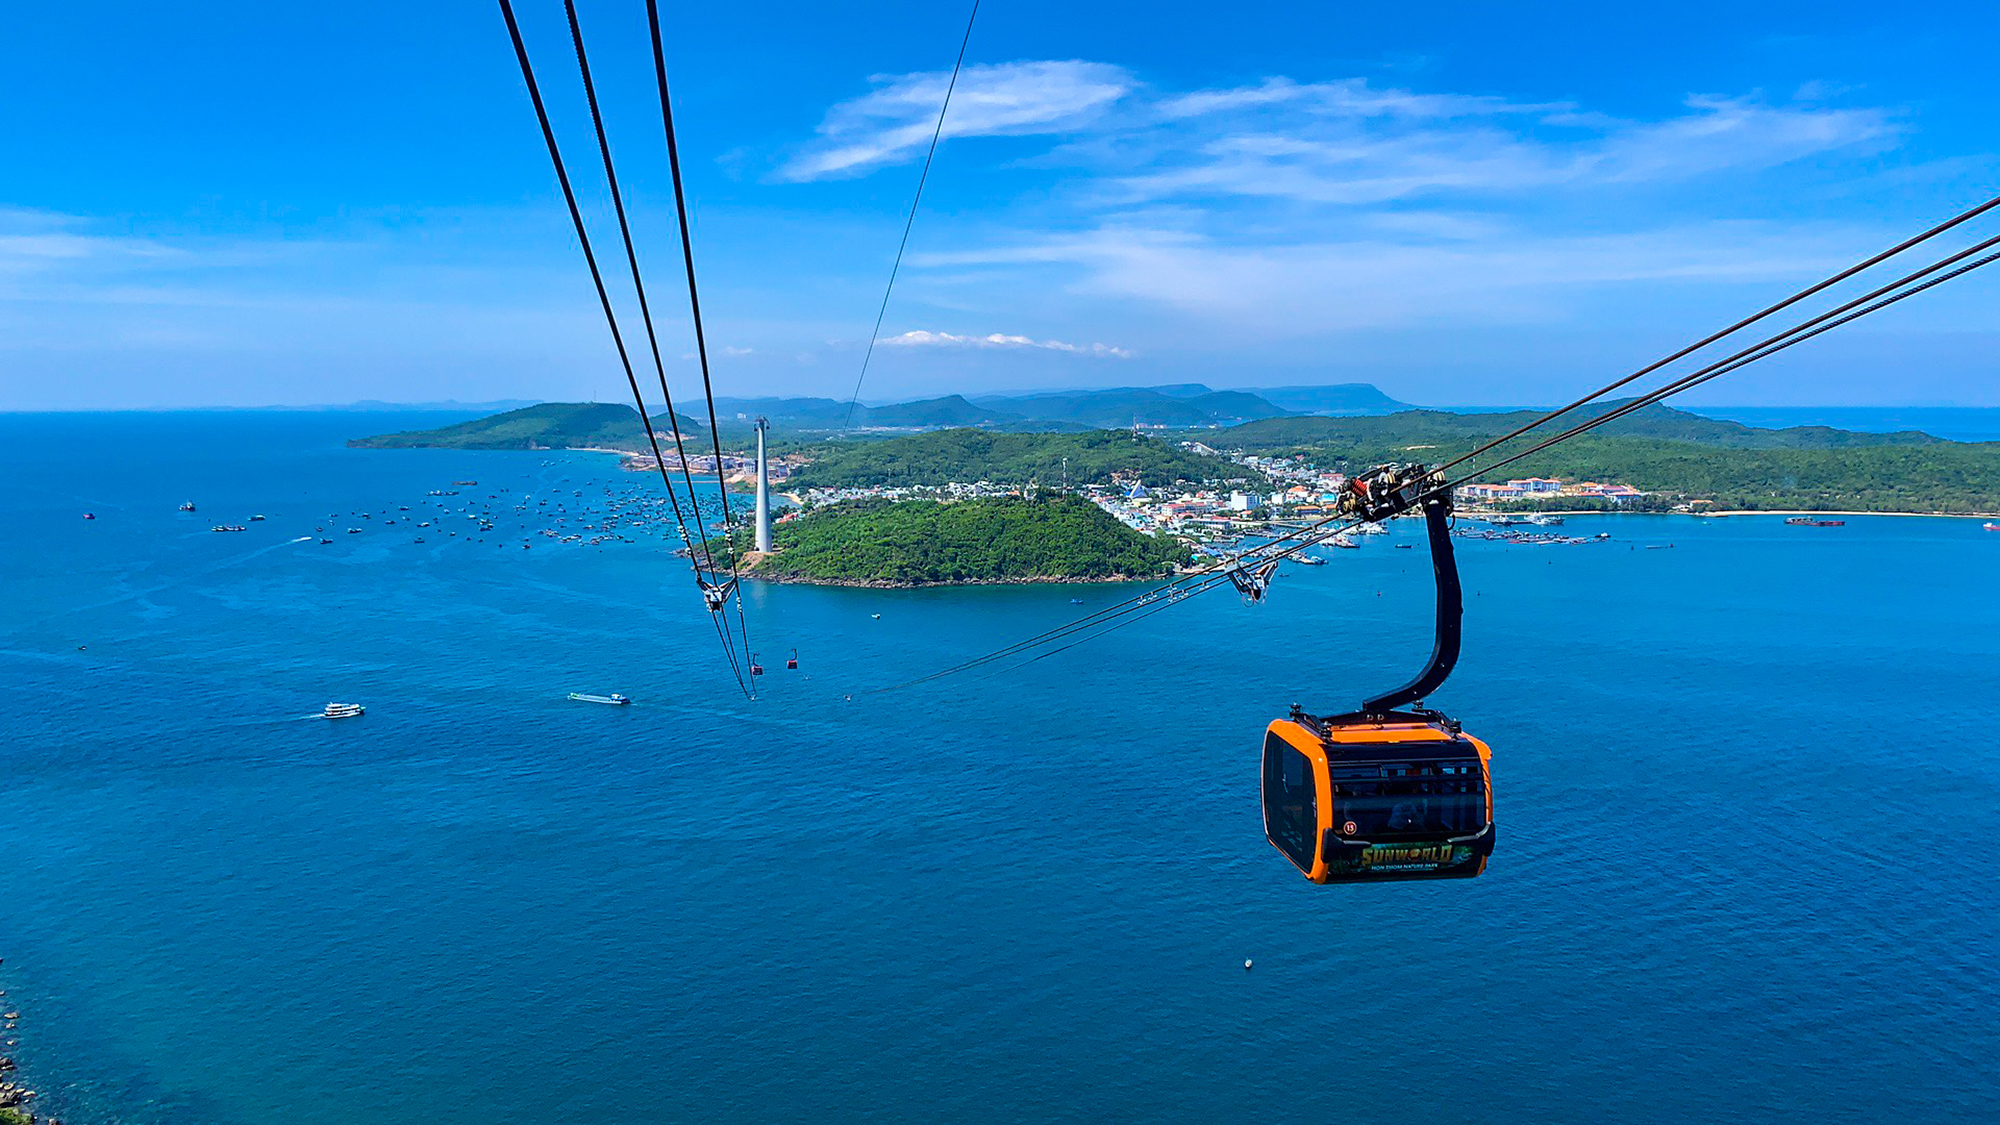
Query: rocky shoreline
[[14, 1097]]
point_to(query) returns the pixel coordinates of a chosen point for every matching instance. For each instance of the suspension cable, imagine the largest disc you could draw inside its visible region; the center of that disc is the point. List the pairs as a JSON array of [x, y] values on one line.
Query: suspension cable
[[652, 338], [1795, 298], [590, 259], [1833, 319], [694, 306], [911, 220], [639, 287]]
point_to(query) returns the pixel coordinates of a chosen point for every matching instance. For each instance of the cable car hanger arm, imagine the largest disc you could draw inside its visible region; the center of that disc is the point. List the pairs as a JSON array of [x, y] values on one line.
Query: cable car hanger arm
[[1450, 613], [1390, 490]]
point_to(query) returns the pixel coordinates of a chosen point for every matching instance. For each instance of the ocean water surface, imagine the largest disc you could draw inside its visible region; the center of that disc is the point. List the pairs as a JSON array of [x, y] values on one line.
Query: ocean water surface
[[1956, 423], [1745, 790]]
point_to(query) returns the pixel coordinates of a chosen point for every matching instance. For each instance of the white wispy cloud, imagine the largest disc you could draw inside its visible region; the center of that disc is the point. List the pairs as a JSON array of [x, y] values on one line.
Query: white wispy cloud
[[895, 120], [45, 244], [1288, 208], [920, 338], [1354, 97], [1339, 141], [1307, 287], [1365, 159], [1718, 134]]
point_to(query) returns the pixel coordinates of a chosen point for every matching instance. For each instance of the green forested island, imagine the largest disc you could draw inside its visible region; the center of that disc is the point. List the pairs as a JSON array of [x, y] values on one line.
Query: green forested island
[[1044, 537], [966, 456], [548, 425], [1672, 454]]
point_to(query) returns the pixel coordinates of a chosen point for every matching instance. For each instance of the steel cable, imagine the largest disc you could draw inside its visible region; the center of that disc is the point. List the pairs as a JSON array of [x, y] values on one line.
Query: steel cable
[[694, 306], [911, 220], [639, 287], [596, 275]]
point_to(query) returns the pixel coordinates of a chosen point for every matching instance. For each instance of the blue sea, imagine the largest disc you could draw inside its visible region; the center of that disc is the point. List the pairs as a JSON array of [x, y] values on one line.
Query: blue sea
[[1956, 423], [1746, 790]]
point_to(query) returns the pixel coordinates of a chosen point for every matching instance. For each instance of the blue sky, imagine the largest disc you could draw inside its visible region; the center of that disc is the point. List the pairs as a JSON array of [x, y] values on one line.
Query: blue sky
[[1465, 204]]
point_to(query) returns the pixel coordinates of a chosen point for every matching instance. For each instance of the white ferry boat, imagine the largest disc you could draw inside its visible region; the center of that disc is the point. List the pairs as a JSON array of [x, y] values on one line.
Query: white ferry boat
[[615, 699], [342, 710]]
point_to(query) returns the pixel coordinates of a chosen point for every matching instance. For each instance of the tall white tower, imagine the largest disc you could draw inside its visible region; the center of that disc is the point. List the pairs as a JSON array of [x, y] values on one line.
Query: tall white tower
[[763, 490]]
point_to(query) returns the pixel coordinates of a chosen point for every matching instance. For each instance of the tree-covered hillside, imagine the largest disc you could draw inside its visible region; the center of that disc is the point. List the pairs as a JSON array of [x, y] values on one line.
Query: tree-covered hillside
[[993, 539], [1675, 455], [1384, 436], [548, 425], [1940, 477], [948, 456]]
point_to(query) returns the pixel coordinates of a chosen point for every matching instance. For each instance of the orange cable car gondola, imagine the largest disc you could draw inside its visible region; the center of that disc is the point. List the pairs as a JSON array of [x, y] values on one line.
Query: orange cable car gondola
[[1380, 794]]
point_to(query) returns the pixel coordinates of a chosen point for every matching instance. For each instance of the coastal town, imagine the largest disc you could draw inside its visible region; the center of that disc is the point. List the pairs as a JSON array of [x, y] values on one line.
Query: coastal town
[[1213, 515]]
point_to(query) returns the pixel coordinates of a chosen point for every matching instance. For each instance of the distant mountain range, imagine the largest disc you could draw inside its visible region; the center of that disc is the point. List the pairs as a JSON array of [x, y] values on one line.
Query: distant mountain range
[[559, 425], [1181, 405]]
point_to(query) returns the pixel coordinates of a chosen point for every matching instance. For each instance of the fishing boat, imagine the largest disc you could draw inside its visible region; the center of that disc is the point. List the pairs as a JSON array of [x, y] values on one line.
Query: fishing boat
[[1344, 543], [1808, 521], [229, 527], [614, 699], [1540, 520], [187, 506], [342, 710], [1309, 560]]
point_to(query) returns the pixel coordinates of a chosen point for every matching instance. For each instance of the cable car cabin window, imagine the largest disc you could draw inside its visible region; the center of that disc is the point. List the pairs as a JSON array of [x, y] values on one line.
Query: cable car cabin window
[[1427, 799], [1291, 812]]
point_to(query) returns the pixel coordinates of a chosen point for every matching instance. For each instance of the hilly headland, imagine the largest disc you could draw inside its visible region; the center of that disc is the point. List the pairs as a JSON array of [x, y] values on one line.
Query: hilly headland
[[1037, 537], [1013, 498]]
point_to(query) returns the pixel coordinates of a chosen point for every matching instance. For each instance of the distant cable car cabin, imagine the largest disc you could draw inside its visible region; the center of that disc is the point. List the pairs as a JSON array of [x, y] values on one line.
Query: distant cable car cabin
[[1380, 794]]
